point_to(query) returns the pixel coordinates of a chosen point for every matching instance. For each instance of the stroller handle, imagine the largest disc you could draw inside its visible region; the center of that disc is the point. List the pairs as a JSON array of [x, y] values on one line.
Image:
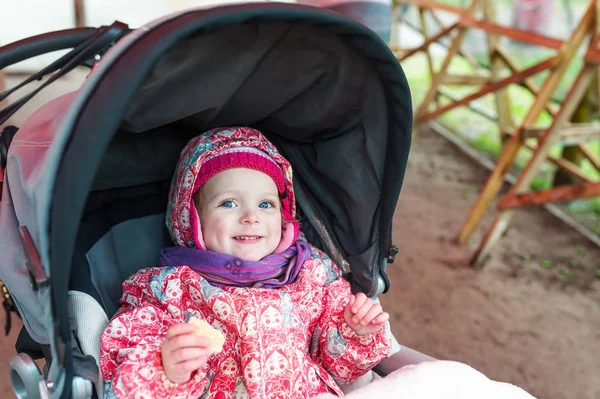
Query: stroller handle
[[41, 44]]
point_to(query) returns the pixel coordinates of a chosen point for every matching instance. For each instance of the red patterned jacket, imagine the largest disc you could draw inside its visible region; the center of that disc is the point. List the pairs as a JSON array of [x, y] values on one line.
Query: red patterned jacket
[[290, 342]]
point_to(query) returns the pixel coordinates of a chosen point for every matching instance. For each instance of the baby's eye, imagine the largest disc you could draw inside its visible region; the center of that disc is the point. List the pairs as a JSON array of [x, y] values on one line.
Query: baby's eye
[[228, 204], [266, 205]]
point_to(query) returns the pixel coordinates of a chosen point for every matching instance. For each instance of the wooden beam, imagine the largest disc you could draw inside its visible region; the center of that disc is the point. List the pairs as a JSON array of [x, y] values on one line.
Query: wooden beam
[[592, 57], [590, 154], [511, 148], [489, 165], [468, 21], [562, 163], [528, 82], [492, 87], [437, 79], [571, 168], [492, 185], [397, 20], [473, 106], [532, 132], [569, 135], [428, 41], [503, 108], [513, 33], [528, 173], [463, 80], [596, 32], [425, 33], [579, 133], [400, 52], [598, 89], [556, 194], [566, 54], [79, 7], [461, 51], [592, 54]]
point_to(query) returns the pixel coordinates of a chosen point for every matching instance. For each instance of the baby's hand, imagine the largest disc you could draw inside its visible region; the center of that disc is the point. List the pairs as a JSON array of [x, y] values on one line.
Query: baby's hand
[[364, 315], [183, 352]]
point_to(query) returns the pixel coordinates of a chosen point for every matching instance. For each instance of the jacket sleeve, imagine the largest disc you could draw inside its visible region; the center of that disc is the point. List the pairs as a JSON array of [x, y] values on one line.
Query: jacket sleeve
[[130, 357], [342, 352]]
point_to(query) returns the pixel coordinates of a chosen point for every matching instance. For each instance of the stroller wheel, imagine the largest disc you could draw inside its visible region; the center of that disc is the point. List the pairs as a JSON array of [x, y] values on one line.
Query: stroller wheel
[[25, 377]]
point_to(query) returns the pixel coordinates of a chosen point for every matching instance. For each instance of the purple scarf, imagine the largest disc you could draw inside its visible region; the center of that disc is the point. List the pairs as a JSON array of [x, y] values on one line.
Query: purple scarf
[[272, 271]]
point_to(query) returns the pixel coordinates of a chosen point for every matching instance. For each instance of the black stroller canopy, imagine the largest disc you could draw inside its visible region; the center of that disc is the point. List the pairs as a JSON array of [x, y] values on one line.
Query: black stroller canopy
[[324, 89]]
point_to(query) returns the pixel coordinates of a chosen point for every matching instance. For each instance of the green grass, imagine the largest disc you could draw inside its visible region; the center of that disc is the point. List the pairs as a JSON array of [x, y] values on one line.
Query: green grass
[[484, 134]]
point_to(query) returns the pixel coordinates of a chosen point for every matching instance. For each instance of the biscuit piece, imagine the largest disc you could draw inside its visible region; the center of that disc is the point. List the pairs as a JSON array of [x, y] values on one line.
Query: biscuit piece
[[215, 337]]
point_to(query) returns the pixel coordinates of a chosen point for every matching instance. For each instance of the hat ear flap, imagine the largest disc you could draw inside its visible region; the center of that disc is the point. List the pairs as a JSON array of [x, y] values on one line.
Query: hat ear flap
[[289, 233], [196, 226]]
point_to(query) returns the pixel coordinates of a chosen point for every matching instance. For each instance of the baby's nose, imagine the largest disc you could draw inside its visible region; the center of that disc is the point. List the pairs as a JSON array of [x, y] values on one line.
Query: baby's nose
[[249, 216]]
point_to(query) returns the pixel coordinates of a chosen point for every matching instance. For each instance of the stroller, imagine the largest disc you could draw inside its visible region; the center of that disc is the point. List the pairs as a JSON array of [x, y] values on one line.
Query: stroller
[[86, 177]]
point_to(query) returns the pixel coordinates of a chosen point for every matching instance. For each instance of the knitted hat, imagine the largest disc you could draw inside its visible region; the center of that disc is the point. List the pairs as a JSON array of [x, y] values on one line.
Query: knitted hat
[[216, 151], [241, 157]]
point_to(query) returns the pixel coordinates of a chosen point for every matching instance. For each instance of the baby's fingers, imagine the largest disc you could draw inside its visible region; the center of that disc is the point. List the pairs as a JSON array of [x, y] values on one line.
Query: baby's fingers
[[369, 313], [191, 365], [185, 341], [358, 301], [179, 329], [190, 353], [363, 311], [381, 318]]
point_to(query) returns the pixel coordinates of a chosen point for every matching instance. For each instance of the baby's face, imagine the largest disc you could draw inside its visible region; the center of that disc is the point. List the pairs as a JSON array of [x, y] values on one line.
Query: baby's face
[[240, 214]]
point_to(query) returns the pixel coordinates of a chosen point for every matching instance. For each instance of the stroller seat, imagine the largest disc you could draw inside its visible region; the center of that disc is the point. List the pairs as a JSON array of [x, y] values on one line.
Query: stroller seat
[[125, 247]]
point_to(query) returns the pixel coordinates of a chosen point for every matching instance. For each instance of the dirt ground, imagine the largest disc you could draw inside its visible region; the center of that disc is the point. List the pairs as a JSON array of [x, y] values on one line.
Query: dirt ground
[[513, 319]]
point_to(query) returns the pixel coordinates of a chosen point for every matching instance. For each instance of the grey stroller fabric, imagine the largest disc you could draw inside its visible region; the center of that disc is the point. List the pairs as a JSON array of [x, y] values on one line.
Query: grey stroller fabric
[[26, 300], [25, 179]]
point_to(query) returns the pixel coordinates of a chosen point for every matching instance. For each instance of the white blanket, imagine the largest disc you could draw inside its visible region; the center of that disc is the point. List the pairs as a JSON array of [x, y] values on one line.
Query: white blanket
[[436, 380]]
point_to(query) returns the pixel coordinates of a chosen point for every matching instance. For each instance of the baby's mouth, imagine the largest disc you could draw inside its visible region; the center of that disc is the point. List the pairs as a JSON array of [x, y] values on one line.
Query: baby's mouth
[[247, 238]]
